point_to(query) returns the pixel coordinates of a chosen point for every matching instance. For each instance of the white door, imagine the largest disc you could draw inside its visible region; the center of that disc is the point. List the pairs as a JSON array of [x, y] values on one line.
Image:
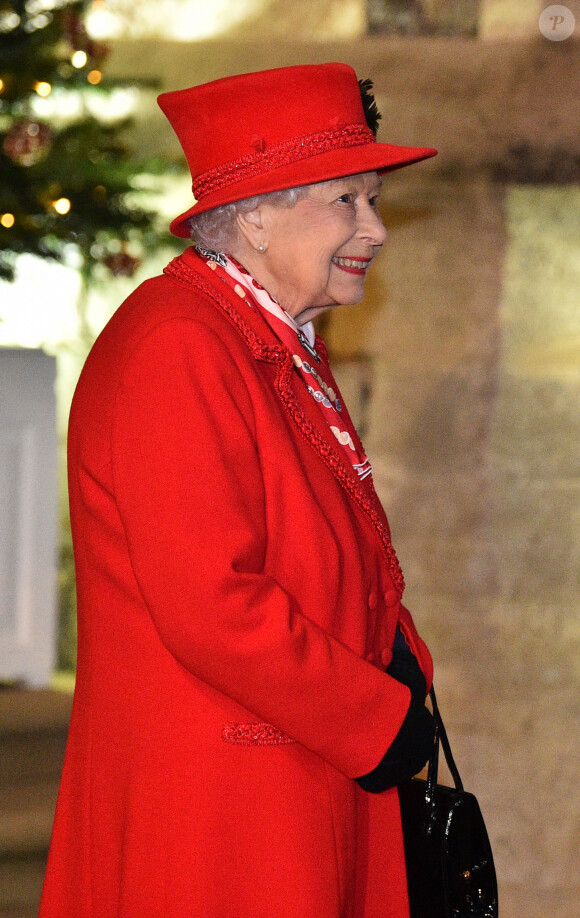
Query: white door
[[28, 515]]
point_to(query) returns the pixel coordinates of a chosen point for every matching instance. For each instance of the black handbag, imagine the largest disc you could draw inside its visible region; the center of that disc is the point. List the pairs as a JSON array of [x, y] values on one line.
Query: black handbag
[[450, 868]]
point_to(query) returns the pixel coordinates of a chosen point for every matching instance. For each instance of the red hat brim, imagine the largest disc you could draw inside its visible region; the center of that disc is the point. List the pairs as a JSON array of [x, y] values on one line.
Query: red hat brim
[[372, 157]]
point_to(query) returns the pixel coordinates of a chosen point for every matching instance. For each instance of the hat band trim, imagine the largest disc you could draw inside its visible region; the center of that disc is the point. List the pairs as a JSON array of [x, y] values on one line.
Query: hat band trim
[[281, 154]]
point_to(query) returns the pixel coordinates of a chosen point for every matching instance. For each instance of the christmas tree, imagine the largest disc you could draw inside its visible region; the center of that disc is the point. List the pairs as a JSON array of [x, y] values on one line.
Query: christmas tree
[[71, 188], [67, 179]]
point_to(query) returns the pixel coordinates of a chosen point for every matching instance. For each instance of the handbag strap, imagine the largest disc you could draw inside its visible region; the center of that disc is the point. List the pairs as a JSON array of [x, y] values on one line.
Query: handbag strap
[[442, 739]]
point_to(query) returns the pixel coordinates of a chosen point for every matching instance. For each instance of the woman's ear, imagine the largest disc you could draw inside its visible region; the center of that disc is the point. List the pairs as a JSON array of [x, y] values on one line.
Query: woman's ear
[[251, 226]]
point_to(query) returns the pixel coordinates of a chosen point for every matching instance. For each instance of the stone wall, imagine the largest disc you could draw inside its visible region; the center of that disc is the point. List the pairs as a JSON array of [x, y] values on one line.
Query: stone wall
[[463, 367], [424, 17]]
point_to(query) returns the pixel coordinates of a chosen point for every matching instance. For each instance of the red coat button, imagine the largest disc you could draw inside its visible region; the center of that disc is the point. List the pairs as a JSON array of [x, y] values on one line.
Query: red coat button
[[386, 656], [391, 598], [372, 600]]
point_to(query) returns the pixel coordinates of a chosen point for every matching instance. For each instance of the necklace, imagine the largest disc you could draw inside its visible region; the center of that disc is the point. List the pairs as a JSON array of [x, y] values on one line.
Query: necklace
[[306, 344]]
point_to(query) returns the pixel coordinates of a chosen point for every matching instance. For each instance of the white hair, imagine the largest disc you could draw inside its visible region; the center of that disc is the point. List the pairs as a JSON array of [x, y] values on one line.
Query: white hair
[[216, 229]]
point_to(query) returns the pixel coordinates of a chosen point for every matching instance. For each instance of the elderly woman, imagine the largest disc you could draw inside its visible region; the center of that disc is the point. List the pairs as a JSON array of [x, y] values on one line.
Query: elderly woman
[[250, 689]]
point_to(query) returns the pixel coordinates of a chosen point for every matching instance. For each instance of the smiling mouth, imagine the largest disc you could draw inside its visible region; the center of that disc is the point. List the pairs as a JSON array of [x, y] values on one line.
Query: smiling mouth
[[352, 265]]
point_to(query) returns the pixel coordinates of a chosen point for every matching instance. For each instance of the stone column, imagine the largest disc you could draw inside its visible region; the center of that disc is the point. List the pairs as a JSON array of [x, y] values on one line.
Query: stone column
[[424, 17]]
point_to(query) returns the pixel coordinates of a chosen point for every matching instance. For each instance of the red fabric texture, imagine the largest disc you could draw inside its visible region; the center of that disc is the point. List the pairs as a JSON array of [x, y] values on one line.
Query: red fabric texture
[[254, 589], [258, 132]]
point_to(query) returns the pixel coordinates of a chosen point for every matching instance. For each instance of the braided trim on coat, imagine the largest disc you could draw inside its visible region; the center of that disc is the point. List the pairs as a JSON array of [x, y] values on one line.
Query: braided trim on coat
[[251, 734], [182, 273], [338, 469]]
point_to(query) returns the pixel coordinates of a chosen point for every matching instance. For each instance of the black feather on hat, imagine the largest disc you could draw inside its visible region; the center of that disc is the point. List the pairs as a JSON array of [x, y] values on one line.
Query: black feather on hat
[[372, 113]]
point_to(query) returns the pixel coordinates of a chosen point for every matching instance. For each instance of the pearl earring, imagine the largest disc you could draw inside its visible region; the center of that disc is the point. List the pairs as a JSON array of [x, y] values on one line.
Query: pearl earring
[[261, 248]]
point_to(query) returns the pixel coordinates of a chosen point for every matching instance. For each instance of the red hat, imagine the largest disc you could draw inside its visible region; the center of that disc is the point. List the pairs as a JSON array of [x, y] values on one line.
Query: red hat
[[259, 132]]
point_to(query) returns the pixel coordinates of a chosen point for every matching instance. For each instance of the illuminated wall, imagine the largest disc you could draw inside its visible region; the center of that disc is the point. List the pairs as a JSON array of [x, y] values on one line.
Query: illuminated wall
[[194, 20]]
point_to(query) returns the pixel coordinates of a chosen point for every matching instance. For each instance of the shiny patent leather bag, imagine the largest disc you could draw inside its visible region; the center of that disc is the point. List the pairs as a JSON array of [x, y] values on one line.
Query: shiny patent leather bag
[[450, 868]]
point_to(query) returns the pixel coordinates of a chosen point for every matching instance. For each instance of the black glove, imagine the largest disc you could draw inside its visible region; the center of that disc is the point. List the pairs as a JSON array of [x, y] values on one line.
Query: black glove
[[413, 743], [407, 754], [405, 668]]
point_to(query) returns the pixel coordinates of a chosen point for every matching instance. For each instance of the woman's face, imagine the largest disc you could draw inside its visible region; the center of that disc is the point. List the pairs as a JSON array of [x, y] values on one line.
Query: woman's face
[[319, 250]]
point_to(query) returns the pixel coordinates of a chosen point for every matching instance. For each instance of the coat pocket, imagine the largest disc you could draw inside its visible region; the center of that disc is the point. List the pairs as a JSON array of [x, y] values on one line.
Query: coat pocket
[[254, 734]]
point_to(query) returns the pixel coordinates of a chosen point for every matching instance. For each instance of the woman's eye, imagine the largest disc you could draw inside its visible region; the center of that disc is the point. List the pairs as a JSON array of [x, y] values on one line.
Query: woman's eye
[[374, 200], [345, 199]]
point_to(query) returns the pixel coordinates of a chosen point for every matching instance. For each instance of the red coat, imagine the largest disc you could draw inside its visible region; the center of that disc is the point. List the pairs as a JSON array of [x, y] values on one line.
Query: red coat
[[236, 611]]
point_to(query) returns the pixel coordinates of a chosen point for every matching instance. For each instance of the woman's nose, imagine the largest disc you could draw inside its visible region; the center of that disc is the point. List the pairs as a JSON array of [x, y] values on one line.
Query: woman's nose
[[370, 226]]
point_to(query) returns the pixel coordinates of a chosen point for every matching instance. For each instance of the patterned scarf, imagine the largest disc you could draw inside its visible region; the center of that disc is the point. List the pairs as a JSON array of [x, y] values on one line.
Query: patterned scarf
[[300, 342]]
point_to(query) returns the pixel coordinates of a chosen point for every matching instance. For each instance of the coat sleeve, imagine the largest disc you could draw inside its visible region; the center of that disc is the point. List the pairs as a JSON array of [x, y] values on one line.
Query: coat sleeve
[[189, 489], [417, 645]]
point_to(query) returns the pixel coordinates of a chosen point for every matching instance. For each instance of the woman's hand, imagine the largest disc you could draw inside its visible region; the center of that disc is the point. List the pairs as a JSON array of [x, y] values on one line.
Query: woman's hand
[[404, 667], [413, 743], [408, 753]]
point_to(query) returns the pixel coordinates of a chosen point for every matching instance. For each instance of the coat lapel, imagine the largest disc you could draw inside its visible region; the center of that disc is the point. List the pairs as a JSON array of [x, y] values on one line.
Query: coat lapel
[[303, 412]]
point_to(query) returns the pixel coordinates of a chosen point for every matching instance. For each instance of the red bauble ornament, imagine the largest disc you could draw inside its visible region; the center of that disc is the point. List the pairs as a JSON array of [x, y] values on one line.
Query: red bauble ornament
[[121, 264], [78, 39], [96, 50], [74, 30], [27, 142]]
